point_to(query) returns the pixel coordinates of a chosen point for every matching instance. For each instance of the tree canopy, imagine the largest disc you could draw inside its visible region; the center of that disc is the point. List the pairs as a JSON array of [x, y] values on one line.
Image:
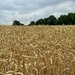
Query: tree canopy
[[32, 23], [68, 19], [15, 22]]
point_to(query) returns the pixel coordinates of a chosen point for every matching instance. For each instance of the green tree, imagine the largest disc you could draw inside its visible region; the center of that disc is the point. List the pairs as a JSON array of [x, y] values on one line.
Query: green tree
[[62, 20], [71, 18], [45, 21], [40, 22], [15, 22], [51, 20], [32, 23], [67, 19]]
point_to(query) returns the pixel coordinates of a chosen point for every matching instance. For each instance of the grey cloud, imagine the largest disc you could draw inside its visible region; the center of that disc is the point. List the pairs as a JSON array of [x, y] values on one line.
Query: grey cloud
[[23, 9]]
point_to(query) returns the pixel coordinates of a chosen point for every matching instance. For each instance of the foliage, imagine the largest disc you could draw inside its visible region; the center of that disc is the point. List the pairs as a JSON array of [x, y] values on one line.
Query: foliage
[[32, 23], [15, 22], [52, 20], [62, 20], [39, 22], [71, 18], [68, 19]]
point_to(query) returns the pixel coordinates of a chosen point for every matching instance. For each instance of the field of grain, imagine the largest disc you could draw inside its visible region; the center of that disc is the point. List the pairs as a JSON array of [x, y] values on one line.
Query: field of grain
[[37, 50]]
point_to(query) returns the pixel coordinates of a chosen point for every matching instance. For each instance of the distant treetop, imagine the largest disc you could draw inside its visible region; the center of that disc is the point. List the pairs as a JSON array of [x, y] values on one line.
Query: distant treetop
[[68, 19], [15, 22]]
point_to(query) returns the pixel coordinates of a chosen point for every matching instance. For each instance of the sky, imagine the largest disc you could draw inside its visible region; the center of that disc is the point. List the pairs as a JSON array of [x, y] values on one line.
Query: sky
[[26, 11]]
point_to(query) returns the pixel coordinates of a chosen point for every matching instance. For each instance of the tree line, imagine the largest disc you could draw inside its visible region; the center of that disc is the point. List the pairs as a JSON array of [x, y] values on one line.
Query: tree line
[[68, 19]]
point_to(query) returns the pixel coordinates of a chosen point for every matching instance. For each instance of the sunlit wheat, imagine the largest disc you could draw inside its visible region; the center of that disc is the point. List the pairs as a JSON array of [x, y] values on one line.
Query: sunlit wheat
[[37, 50]]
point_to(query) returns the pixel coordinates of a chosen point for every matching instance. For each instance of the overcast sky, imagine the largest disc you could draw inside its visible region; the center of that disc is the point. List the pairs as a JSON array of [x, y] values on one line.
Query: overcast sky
[[27, 10]]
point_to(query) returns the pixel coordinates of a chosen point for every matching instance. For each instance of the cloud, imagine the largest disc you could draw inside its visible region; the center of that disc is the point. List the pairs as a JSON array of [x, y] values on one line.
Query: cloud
[[27, 10]]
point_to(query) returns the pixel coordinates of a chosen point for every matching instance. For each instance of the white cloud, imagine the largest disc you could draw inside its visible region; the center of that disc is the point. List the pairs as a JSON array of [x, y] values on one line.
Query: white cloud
[[27, 10]]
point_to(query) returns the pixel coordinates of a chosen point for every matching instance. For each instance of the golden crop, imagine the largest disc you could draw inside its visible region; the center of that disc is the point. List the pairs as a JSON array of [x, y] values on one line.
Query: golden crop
[[37, 50]]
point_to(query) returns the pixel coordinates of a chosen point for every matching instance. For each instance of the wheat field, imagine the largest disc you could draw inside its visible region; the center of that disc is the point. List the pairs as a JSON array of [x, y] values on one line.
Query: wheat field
[[37, 50]]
